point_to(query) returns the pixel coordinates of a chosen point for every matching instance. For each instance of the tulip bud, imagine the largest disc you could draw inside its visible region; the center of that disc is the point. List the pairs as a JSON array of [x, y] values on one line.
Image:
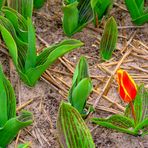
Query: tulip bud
[[127, 86]]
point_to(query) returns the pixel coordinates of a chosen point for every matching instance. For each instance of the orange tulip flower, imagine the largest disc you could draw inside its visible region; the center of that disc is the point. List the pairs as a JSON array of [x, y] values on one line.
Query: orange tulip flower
[[127, 86]]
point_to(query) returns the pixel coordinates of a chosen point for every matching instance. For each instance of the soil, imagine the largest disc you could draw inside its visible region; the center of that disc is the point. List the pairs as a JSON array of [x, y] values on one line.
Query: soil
[[47, 97]]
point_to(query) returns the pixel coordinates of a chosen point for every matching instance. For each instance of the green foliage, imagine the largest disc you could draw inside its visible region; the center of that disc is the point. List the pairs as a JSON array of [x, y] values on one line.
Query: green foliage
[[109, 39], [137, 11], [23, 52], [72, 130], [2, 2], [100, 8], [125, 123], [24, 7], [38, 3], [9, 123], [81, 86], [25, 145], [78, 13]]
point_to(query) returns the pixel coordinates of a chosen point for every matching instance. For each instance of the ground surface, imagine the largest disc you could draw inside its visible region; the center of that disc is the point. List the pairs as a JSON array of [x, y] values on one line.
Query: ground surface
[[45, 97]]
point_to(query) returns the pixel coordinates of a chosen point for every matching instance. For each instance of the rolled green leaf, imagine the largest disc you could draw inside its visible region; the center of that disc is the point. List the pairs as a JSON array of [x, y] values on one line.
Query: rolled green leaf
[[81, 93], [12, 127], [72, 130], [81, 86], [109, 39], [70, 19]]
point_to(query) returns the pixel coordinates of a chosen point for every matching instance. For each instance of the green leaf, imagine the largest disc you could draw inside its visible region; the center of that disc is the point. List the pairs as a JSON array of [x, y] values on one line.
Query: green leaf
[[31, 52], [137, 11], [81, 93], [2, 2], [81, 86], [109, 39], [28, 64], [38, 3], [141, 20], [142, 126], [72, 130], [100, 8], [127, 112], [117, 122], [24, 7], [59, 50], [26, 145], [12, 127], [138, 106], [70, 19], [18, 21], [9, 41], [82, 14], [80, 73]]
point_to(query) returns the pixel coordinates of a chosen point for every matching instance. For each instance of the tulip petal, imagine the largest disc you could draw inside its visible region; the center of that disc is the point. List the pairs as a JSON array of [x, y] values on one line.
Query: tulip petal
[[129, 85]]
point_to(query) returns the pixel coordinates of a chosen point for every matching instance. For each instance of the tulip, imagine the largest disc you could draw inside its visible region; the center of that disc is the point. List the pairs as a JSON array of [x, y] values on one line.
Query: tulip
[[127, 88]]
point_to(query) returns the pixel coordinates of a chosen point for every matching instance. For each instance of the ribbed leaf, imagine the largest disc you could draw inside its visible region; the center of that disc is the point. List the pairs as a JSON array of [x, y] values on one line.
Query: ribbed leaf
[[81, 93], [111, 125], [138, 106], [59, 50], [31, 52], [38, 3], [144, 97], [24, 7], [142, 19], [82, 14], [142, 126], [109, 39], [100, 8], [2, 2], [18, 21], [137, 11], [12, 127], [28, 64], [9, 41], [117, 122], [72, 130]]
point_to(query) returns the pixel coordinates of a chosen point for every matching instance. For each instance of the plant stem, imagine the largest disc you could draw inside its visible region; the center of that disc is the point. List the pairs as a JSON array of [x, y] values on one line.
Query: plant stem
[[133, 111]]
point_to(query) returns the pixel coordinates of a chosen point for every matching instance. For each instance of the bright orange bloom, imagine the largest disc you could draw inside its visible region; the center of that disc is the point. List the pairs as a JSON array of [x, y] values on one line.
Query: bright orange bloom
[[127, 86]]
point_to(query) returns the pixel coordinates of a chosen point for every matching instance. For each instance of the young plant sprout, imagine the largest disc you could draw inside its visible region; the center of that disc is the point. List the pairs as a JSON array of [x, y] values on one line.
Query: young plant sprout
[[81, 87], [135, 120], [109, 39], [78, 13], [138, 11], [10, 124], [24, 7], [72, 130], [29, 65]]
